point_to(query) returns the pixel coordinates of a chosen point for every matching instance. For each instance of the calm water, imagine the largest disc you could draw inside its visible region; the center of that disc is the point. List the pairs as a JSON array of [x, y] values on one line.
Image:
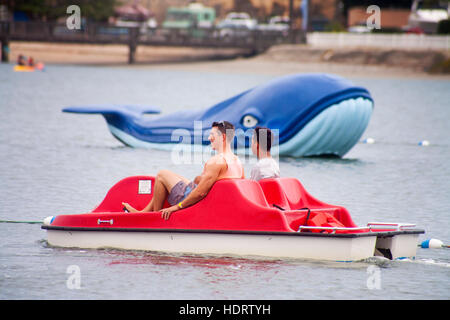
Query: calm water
[[54, 163]]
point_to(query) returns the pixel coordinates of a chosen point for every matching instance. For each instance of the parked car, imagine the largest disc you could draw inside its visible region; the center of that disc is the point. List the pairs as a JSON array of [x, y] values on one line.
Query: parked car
[[426, 15], [238, 19], [228, 32], [359, 28], [236, 25], [276, 24]]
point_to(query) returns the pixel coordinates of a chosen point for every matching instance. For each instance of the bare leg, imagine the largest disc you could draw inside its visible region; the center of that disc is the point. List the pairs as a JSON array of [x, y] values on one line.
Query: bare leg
[[160, 194], [164, 182]]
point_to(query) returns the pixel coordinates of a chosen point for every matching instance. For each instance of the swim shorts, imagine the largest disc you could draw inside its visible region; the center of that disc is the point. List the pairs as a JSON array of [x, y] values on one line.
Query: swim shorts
[[180, 191]]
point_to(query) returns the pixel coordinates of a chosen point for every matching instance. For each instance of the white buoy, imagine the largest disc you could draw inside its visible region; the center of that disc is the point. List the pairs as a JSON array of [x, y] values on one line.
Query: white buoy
[[48, 221], [369, 141], [432, 243], [424, 143]]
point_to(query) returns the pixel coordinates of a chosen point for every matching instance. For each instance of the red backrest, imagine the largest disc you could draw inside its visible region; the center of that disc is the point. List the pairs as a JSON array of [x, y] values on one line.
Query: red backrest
[[290, 194], [274, 193], [137, 191], [294, 191], [297, 195], [234, 204], [234, 191]]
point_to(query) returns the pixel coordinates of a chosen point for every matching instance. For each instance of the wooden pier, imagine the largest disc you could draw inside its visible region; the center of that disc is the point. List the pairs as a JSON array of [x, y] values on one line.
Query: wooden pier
[[250, 41]]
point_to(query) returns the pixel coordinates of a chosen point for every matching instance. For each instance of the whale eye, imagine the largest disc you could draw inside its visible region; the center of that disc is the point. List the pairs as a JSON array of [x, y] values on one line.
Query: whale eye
[[249, 121]]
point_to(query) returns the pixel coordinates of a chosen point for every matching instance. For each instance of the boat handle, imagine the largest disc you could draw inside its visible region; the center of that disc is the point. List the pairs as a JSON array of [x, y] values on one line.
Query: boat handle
[[105, 221], [391, 225]]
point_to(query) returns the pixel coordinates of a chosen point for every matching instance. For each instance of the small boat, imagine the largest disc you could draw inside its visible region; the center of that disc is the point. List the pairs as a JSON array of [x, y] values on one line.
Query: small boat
[[25, 68], [20, 68], [270, 218]]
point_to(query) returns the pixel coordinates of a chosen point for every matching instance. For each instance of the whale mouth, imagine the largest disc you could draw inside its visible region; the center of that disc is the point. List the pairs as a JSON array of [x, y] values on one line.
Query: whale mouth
[[334, 131]]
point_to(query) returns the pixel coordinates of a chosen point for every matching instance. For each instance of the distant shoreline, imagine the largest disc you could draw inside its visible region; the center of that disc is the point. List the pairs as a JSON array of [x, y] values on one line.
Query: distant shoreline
[[280, 59], [109, 54]]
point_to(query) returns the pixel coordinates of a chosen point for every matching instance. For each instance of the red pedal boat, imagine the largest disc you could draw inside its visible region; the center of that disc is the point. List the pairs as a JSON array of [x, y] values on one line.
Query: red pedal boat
[[271, 218]]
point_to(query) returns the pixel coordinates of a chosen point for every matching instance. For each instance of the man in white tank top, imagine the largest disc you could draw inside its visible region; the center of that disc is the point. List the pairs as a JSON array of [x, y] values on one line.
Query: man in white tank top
[[182, 193]]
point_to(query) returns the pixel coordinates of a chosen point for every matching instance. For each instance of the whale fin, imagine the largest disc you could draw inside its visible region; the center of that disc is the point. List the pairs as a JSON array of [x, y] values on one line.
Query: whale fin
[[113, 109]]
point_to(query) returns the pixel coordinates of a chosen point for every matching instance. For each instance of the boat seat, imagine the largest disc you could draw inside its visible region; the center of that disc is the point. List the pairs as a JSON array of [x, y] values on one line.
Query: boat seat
[[234, 202], [237, 190], [136, 190], [295, 194], [289, 194], [274, 193]]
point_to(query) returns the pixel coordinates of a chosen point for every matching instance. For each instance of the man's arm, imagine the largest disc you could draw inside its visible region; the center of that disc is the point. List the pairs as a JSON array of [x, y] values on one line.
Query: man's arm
[[207, 179]]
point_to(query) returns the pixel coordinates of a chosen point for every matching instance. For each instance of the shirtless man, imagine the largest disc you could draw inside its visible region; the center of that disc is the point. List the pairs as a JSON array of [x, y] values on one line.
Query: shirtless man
[[181, 193]]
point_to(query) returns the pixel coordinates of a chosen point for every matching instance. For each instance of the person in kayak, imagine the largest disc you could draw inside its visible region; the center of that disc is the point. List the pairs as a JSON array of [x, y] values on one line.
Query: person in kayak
[[182, 193], [266, 167], [21, 60], [31, 61]]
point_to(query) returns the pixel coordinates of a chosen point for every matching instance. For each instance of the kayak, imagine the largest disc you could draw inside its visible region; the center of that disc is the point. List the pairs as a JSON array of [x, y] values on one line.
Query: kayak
[[270, 218], [38, 66], [19, 68]]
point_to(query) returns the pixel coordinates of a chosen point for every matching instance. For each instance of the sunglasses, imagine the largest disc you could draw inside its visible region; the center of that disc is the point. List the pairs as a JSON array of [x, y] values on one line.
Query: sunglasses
[[219, 123]]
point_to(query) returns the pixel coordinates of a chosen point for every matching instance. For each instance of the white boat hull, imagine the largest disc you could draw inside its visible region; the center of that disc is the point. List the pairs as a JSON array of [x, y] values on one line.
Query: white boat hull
[[306, 246], [397, 247]]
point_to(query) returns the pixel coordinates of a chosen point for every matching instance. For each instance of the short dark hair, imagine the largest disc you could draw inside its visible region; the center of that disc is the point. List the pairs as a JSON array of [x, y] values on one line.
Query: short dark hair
[[264, 138], [225, 127]]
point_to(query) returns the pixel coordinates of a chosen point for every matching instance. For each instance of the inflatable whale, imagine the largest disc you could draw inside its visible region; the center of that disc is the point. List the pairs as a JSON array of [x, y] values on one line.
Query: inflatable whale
[[311, 114]]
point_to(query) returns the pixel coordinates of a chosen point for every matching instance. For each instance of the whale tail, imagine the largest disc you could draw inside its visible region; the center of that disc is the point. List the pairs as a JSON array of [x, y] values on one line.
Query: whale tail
[[116, 116]]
